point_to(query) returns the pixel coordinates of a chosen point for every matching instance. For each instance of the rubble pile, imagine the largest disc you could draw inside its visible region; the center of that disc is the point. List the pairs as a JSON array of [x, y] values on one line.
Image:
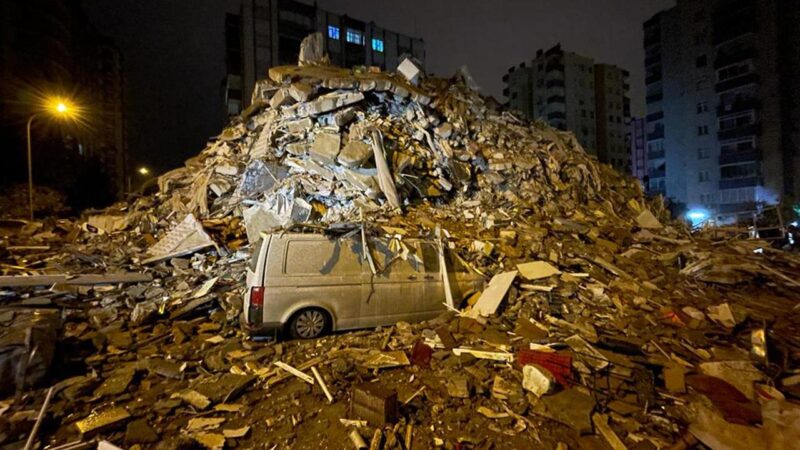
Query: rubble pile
[[602, 324]]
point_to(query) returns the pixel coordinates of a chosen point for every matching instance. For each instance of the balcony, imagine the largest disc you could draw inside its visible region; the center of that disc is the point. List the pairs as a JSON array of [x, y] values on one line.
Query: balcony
[[557, 115], [652, 117], [505, 78], [738, 105], [733, 208], [555, 83], [654, 98], [654, 78], [726, 58], [652, 38], [556, 99], [658, 154], [505, 92], [554, 67], [734, 183], [753, 129], [733, 83], [657, 173], [652, 60], [738, 157], [656, 134]]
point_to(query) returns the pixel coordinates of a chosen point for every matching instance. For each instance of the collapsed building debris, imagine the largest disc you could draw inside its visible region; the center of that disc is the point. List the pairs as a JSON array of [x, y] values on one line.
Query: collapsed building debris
[[602, 322]]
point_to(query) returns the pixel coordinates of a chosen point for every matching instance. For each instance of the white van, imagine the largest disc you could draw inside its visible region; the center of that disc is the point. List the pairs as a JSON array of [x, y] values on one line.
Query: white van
[[306, 285]]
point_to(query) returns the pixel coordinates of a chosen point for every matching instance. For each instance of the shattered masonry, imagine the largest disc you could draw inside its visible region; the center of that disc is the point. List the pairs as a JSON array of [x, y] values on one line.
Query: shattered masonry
[[602, 320]]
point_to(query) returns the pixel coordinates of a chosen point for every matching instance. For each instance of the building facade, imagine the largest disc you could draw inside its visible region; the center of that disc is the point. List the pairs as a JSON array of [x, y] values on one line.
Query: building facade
[[637, 142], [722, 127], [260, 34], [571, 92]]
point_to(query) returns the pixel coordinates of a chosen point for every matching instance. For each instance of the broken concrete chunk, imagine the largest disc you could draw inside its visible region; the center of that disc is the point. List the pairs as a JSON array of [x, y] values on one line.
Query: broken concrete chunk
[[409, 70], [236, 432], [444, 130], [722, 314], [297, 148], [675, 378], [280, 98], [375, 403], [312, 50], [571, 407], [299, 127], [647, 220], [458, 387], [116, 384], [140, 432], [536, 270], [354, 154], [195, 399], [325, 148], [537, 380], [329, 102], [204, 423], [300, 91], [211, 441]]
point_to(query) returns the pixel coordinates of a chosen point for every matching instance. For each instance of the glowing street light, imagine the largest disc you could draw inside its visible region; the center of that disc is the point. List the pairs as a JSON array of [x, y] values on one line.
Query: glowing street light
[[143, 170], [58, 107]]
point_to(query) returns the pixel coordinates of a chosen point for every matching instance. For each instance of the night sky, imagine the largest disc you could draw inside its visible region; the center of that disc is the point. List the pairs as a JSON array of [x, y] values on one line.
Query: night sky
[[174, 52]]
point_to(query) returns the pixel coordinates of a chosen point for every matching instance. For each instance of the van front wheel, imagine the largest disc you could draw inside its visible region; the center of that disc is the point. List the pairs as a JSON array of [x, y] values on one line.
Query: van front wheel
[[309, 323]]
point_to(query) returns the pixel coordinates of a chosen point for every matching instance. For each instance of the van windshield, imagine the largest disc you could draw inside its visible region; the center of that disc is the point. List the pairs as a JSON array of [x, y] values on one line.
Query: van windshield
[[255, 253]]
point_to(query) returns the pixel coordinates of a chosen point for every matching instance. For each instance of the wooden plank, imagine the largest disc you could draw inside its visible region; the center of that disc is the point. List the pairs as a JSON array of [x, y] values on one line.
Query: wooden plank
[[88, 279]]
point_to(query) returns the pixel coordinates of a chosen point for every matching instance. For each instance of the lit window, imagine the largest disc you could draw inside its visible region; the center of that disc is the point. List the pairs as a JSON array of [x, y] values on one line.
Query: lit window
[[354, 37], [377, 45], [333, 32]]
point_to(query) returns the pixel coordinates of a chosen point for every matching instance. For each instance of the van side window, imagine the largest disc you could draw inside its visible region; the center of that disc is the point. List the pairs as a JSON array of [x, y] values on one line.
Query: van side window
[[430, 256], [388, 261], [454, 263], [317, 257]]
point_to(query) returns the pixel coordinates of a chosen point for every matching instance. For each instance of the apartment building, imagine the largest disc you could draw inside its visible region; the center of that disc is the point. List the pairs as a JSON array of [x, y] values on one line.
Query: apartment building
[[260, 34], [571, 92], [722, 124]]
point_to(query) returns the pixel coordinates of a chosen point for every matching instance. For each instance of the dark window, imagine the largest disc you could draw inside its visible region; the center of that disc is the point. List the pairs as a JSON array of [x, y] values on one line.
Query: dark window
[[233, 44], [701, 61]]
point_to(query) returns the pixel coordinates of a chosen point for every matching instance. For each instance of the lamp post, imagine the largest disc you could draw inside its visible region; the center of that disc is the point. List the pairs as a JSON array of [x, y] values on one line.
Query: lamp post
[[59, 108]]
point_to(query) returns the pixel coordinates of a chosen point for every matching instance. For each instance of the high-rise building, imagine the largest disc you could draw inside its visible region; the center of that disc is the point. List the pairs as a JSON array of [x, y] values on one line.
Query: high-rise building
[[612, 113], [722, 119], [260, 34], [49, 48], [638, 148], [571, 92]]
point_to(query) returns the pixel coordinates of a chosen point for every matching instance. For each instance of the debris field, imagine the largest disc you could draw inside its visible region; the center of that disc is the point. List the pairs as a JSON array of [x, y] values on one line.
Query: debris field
[[603, 323]]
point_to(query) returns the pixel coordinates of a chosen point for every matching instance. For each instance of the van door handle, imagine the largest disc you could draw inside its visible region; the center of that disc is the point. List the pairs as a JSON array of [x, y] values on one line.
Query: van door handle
[[412, 277], [430, 277]]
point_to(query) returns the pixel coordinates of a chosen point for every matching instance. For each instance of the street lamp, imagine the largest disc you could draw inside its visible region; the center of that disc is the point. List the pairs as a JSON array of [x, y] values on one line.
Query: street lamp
[[143, 170], [59, 107]]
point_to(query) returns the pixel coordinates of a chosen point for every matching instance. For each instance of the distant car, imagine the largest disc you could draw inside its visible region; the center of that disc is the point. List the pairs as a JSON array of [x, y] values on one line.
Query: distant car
[[306, 285]]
